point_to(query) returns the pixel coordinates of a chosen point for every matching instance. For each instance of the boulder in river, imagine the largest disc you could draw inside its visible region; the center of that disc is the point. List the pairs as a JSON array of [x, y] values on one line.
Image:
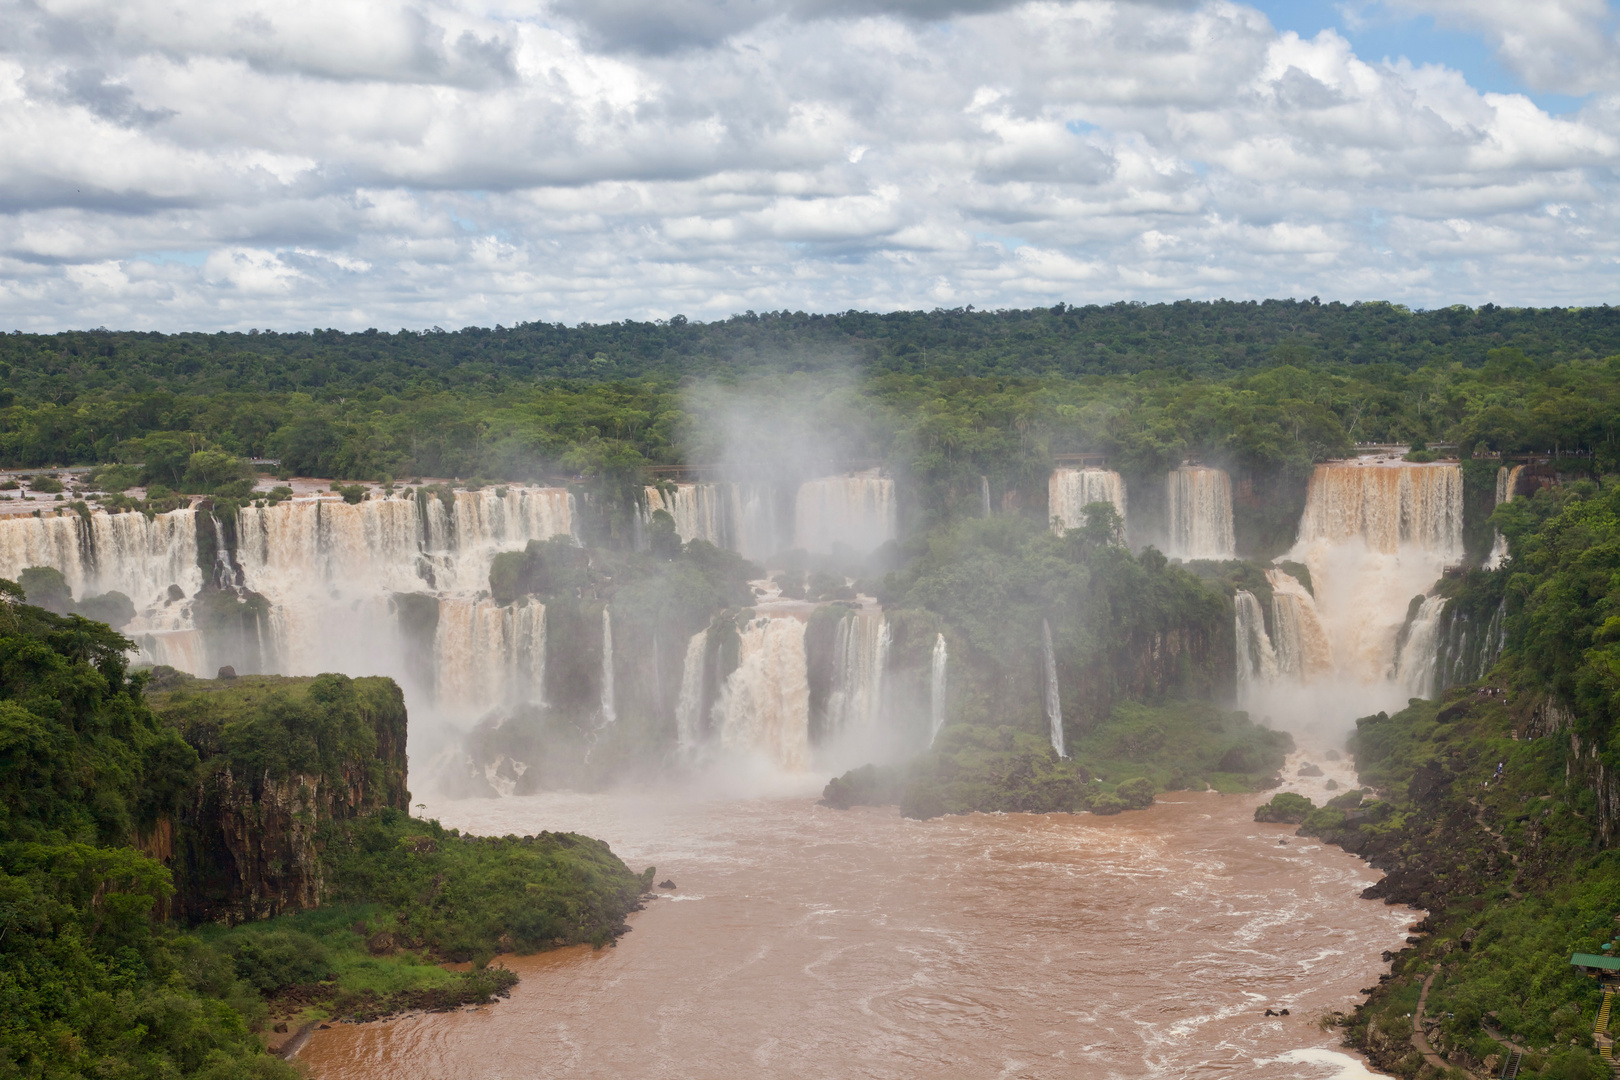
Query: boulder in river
[[1308, 769]]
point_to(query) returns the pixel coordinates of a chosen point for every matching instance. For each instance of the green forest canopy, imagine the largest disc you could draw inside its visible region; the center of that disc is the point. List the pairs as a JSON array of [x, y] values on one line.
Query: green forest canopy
[[1263, 386]]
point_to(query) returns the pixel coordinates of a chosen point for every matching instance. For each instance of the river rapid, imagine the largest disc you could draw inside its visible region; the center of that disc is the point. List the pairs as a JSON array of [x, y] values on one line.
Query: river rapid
[[809, 942]]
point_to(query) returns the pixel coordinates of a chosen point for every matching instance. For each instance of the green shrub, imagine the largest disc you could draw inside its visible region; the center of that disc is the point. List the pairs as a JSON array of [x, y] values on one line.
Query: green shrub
[[1137, 793], [272, 960], [1108, 804], [1285, 808]]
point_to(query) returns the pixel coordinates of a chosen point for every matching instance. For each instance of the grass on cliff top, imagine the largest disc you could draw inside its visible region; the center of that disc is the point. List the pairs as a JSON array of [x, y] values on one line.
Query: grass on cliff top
[[1120, 764], [277, 724]]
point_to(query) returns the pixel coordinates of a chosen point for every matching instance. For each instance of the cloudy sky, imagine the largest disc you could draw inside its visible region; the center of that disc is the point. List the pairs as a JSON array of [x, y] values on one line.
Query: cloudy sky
[[172, 164]]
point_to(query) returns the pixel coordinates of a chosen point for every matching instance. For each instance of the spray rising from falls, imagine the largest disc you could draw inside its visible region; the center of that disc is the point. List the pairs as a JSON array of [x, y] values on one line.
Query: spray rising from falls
[[1070, 491], [936, 690], [1200, 513], [858, 512], [1054, 707]]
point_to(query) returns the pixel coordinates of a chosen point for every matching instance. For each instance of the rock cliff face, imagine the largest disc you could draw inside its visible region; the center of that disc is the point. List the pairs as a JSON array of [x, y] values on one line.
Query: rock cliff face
[[283, 761]]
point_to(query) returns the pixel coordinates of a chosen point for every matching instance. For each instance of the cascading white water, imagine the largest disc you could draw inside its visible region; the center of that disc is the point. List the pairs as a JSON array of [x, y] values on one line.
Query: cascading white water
[[1054, 707], [860, 659], [936, 689], [1256, 660], [1303, 648], [1200, 513], [147, 560], [609, 713], [984, 495], [1070, 491], [689, 705], [1507, 483], [1387, 506], [126, 553], [699, 510], [764, 707], [754, 531], [1415, 666], [327, 569], [1374, 534], [486, 654], [858, 512]]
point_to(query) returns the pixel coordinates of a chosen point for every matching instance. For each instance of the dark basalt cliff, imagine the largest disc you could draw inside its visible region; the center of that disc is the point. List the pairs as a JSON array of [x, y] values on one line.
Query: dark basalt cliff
[[282, 761]]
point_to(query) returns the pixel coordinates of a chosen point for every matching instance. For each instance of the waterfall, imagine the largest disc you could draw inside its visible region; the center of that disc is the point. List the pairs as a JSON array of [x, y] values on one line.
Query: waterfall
[[1465, 651], [699, 511], [1415, 663], [936, 690], [1054, 707], [754, 531], [1200, 513], [858, 512], [689, 704], [328, 570], [124, 553], [984, 494], [608, 713], [1256, 660], [486, 655], [1507, 483], [861, 657], [1303, 647], [1070, 491], [1374, 533], [1387, 506], [764, 707]]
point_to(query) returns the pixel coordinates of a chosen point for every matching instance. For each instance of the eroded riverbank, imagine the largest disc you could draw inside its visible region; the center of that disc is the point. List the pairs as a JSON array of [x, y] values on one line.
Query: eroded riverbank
[[807, 942]]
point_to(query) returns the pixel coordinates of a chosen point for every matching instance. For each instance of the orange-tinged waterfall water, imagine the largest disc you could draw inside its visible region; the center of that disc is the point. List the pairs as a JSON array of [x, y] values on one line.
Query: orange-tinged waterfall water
[[102, 553], [1388, 506], [1375, 534], [805, 942], [1303, 647], [699, 510], [486, 654], [1200, 513], [764, 708], [1070, 491]]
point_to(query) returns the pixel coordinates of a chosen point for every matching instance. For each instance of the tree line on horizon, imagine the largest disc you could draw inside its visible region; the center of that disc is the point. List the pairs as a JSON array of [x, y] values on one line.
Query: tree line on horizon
[[942, 398]]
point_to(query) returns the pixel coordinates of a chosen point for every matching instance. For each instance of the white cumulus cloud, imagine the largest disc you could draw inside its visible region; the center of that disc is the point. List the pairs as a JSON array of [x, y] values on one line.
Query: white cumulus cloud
[[174, 163]]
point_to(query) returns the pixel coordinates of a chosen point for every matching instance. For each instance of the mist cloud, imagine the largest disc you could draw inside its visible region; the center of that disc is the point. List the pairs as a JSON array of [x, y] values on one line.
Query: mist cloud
[[353, 163]]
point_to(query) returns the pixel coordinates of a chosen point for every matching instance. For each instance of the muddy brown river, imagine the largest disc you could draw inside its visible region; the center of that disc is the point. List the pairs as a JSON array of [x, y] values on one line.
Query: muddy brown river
[[816, 943]]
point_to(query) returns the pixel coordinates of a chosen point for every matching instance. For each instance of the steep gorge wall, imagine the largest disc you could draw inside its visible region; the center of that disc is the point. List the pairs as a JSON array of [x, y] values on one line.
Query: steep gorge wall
[[282, 762]]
